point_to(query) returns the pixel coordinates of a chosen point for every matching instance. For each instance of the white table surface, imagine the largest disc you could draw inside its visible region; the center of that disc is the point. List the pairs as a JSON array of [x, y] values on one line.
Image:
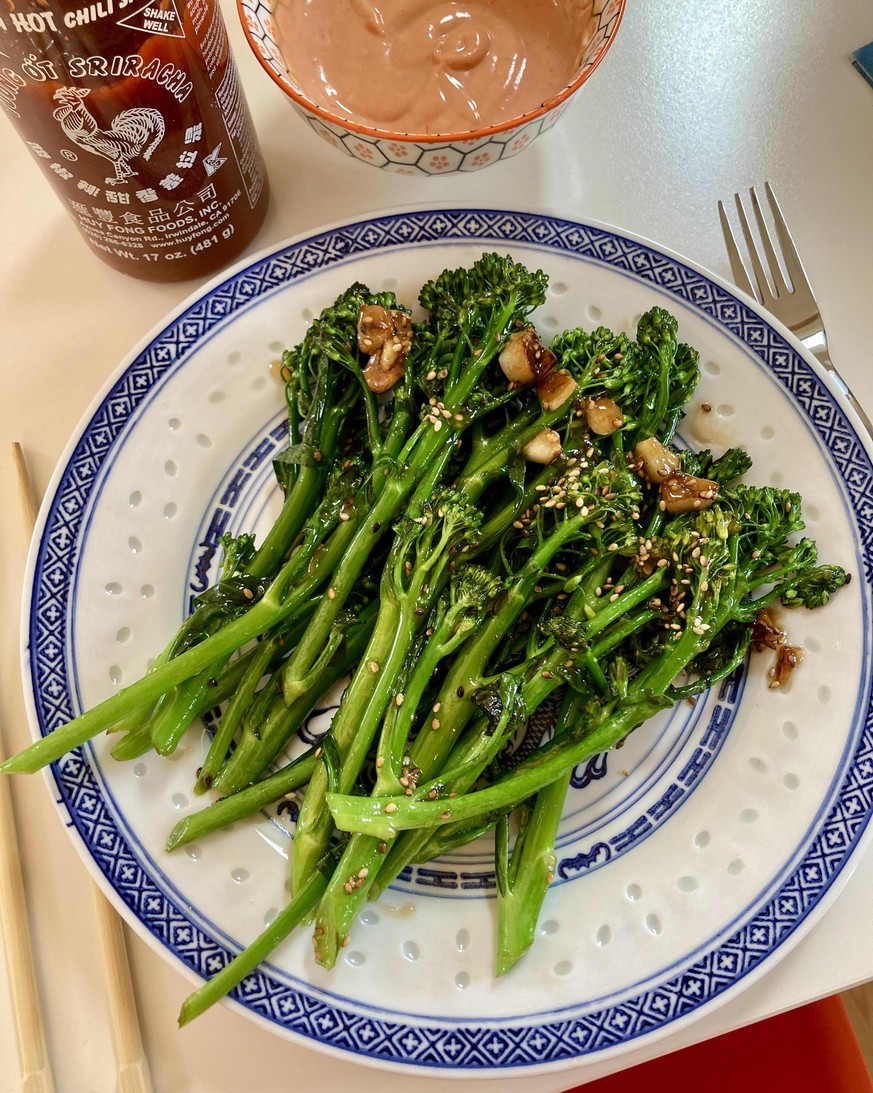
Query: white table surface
[[693, 102]]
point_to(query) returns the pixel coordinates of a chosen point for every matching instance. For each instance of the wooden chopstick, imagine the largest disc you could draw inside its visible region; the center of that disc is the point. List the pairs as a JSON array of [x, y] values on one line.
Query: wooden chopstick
[[26, 493], [133, 1068], [36, 1071]]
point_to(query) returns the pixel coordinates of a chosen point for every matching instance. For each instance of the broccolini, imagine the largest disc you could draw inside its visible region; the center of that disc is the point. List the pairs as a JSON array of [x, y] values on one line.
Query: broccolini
[[504, 549]]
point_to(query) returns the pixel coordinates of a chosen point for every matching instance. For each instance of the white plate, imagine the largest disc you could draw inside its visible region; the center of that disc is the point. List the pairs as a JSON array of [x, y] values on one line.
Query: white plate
[[688, 862]]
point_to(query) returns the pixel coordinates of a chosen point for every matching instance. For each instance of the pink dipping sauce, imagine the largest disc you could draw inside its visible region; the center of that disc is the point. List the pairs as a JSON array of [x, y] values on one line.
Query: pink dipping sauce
[[416, 66]]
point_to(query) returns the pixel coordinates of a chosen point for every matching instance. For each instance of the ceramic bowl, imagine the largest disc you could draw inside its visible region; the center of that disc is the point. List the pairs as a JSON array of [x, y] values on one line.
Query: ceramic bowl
[[432, 154]]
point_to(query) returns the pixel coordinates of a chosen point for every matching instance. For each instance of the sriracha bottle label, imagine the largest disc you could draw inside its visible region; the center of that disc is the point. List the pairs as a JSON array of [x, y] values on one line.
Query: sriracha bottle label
[[135, 112]]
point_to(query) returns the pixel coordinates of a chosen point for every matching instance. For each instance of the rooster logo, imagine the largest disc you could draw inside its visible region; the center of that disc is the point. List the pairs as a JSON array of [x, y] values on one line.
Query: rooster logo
[[134, 132]]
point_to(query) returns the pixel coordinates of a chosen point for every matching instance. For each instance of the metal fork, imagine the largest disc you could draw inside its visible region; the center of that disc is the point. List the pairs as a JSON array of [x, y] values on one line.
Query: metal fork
[[790, 300]]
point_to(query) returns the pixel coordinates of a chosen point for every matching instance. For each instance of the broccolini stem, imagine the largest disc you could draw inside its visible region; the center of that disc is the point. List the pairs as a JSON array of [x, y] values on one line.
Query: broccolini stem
[[245, 962], [384, 817], [233, 715], [417, 569], [136, 741], [323, 429], [353, 727], [345, 894], [492, 454], [399, 720], [296, 509], [227, 810], [179, 707], [137, 738], [363, 856], [412, 846], [430, 749], [524, 878], [372, 527], [278, 603], [260, 744]]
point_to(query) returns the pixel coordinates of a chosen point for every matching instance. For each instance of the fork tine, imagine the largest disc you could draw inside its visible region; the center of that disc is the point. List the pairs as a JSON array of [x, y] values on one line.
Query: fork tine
[[741, 277], [793, 265], [764, 293], [778, 281]]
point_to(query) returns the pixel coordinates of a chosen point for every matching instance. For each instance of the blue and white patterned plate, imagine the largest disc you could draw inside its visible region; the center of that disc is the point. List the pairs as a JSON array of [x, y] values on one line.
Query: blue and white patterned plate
[[688, 861]]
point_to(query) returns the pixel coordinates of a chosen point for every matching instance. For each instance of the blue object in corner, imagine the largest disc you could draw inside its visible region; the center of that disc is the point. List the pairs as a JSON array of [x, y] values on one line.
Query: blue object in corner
[[862, 59]]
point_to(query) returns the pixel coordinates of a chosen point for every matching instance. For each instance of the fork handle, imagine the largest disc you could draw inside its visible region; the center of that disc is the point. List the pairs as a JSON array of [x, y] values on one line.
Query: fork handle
[[820, 352]]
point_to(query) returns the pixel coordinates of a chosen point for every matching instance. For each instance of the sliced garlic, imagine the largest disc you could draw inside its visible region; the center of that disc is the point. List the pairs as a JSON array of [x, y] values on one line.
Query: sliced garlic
[[603, 416], [524, 359], [386, 335], [544, 448], [555, 389], [657, 461], [683, 492]]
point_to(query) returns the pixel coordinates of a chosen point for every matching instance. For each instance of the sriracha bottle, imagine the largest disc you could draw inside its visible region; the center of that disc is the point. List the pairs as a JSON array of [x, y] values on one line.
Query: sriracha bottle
[[135, 112]]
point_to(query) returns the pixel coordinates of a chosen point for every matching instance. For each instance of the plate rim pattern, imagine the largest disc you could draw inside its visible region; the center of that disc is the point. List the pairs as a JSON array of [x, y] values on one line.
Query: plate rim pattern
[[560, 1040]]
